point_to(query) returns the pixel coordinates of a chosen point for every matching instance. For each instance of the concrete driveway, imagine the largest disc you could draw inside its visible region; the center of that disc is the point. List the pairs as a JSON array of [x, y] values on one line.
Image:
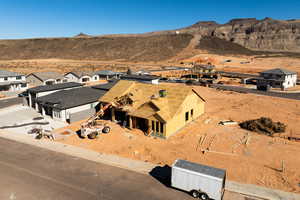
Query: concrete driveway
[[20, 119], [10, 102]]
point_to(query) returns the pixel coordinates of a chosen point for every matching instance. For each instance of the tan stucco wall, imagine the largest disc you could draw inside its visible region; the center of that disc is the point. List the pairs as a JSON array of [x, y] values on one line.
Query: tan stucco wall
[[33, 81], [178, 121]]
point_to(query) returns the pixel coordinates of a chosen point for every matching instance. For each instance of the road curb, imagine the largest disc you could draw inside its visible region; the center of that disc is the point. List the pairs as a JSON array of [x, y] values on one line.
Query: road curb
[[140, 166]]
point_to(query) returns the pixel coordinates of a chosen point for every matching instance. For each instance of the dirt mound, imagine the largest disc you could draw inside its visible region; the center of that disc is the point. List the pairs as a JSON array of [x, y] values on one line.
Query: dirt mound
[[263, 125], [148, 48]]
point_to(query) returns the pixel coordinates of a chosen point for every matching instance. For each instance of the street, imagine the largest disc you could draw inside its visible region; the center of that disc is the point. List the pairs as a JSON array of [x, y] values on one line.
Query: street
[[10, 102], [33, 173]]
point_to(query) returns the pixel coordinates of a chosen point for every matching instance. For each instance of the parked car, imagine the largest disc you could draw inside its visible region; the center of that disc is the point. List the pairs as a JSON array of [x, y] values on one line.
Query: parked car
[[200, 181]]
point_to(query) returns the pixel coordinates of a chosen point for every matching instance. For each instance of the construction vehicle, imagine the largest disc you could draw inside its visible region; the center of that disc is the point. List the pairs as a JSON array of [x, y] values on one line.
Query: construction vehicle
[[93, 127]]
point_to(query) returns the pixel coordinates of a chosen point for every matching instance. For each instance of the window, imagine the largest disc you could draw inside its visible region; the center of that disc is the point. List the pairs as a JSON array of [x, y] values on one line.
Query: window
[[5, 78], [161, 127], [18, 77], [187, 116], [157, 127], [24, 85], [192, 112]]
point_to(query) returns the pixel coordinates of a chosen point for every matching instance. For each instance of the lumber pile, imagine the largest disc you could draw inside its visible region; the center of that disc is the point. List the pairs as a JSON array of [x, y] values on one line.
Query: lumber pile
[[263, 125]]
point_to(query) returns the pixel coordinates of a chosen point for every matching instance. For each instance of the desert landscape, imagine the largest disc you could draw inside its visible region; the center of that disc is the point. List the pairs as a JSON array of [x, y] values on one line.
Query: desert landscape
[[247, 46], [257, 162]]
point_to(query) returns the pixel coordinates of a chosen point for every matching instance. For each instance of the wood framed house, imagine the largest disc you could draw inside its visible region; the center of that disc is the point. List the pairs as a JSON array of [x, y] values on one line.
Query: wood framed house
[[160, 110]]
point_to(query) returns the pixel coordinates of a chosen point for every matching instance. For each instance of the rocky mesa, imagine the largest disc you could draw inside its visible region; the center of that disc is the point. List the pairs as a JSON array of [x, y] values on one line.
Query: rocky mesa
[[262, 35]]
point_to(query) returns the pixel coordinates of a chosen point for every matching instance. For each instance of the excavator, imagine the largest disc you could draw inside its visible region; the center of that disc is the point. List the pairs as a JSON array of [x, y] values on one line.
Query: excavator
[[92, 128]]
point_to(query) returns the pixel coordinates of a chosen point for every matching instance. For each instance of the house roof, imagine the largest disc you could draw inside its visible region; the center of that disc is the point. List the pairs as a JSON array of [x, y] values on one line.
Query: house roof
[[106, 86], [199, 168], [65, 99], [43, 76], [278, 71], [140, 77], [80, 74], [4, 73], [146, 100], [60, 86], [107, 73]]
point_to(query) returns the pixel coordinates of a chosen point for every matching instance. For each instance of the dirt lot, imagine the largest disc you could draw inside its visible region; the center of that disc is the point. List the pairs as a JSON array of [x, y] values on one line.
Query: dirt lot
[[259, 162]]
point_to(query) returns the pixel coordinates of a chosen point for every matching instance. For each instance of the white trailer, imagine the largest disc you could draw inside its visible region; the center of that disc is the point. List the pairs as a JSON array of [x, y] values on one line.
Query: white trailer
[[200, 181]]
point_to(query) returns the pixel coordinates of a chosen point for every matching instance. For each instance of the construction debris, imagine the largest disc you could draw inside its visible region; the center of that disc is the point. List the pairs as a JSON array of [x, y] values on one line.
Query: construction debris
[[263, 125], [41, 133], [227, 122]]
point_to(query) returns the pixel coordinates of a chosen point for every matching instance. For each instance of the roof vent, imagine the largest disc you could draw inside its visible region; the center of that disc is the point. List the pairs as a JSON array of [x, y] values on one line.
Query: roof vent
[[162, 93]]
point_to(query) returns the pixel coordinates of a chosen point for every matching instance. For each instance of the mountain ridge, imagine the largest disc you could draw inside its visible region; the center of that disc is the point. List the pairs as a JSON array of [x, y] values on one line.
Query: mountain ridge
[[237, 36]]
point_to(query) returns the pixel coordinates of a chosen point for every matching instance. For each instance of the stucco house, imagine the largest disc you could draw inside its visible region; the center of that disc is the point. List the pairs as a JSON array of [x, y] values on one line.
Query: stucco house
[[152, 79], [107, 74], [12, 81], [81, 77], [160, 110], [42, 90], [277, 78], [45, 78], [70, 105]]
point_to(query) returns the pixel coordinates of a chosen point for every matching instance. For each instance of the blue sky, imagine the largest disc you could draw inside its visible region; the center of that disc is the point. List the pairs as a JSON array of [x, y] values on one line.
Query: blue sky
[[63, 18]]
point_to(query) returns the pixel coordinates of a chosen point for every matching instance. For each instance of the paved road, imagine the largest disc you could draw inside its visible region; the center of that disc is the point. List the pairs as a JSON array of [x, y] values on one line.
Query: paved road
[[10, 102], [295, 96], [32, 173]]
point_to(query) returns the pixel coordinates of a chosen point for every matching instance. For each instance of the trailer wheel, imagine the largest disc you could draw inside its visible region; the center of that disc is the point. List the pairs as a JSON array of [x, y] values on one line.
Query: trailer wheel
[[92, 135], [195, 194], [106, 129], [203, 196]]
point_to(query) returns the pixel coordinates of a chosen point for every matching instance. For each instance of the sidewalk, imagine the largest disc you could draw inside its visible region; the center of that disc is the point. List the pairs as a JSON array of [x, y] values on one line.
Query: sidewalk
[[142, 167]]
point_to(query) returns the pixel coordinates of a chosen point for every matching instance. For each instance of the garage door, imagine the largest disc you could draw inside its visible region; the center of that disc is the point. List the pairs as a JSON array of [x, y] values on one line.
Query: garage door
[[74, 117]]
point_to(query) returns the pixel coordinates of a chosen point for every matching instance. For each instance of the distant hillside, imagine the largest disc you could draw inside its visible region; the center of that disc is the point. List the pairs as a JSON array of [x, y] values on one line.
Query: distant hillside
[[150, 48], [221, 46], [239, 36]]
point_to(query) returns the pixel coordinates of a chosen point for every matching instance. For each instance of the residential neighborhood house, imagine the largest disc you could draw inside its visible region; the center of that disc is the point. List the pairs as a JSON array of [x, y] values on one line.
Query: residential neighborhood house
[[12, 81], [45, 78], [81, 77], [42, 90], [106, 86], [70, 105], [277, 78], [107, 74], [152, 79], [159, 110]]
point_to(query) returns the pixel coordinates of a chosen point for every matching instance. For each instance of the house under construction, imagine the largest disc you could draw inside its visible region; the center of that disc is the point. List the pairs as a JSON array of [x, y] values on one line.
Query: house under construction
[[160, 110]]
